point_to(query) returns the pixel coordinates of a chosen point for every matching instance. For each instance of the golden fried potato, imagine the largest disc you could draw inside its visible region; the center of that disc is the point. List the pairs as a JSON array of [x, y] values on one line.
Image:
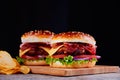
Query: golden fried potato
[[10, 71], [24, 69], [17, 69], [17, 64], [9, 65], [6, 61]]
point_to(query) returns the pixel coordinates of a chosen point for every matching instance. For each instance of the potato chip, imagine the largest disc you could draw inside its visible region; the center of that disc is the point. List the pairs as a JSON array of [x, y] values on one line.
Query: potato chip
[[6, 61], [9, 65], [24, 69], [17, 64], [10, 71]]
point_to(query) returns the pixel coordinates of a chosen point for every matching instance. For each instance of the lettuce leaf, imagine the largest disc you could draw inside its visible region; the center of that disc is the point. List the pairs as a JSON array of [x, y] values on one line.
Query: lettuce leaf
[[20, 60], [67, 60]]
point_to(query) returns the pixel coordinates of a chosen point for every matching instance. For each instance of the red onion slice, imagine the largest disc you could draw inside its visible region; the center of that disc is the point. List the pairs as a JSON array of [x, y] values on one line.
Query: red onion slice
[[86, 58], [41, 56], [98, 57]]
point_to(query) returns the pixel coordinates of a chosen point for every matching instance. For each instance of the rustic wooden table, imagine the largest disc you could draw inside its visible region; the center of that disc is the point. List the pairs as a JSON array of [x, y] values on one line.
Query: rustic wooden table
[[107, 76]]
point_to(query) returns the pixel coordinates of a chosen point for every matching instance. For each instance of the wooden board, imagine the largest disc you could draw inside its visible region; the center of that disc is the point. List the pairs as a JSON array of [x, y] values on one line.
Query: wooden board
[[73, 72]]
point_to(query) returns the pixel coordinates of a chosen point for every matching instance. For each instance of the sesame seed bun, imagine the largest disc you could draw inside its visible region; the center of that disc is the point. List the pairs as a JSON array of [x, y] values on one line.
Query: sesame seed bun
[[73, 36], [58, 64], [35, 63], [37, 36]]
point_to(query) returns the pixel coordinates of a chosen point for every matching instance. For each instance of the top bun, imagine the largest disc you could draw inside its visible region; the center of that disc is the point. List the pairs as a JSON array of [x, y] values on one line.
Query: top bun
[[37, 36], [73, 36]]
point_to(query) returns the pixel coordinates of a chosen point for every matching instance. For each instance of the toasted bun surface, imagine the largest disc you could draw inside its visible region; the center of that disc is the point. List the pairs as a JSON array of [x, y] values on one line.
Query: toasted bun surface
[[73, 36], [35, 63], [37, 36], [57, 64]]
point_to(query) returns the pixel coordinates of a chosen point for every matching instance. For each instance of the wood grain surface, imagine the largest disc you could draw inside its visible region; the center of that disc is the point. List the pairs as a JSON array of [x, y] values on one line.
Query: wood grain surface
[[98, 69]]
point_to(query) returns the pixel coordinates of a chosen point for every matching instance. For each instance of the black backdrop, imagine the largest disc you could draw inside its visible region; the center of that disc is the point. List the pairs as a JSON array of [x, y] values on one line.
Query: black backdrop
[[100, 19]]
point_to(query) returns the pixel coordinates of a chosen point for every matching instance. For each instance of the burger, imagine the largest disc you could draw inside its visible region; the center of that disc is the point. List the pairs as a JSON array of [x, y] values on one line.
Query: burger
[[72, 49], [34, 46]]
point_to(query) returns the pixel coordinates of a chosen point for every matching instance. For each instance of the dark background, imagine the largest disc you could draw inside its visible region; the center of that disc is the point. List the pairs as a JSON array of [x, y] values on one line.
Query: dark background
[[100, 19]]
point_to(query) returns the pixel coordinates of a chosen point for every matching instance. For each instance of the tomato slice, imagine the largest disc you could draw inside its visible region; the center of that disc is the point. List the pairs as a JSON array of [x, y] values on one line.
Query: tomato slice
[[59, 56], [33, 57], [85, 56]]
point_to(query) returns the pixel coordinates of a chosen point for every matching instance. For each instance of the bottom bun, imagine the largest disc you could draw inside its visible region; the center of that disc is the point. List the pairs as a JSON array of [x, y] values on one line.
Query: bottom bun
[[35, 63], [85, 65], [58, 64]]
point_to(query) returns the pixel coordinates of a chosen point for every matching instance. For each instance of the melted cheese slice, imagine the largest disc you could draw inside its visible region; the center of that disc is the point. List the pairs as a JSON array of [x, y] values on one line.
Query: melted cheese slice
[[50, 51], [45, 48], [23, 52]]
